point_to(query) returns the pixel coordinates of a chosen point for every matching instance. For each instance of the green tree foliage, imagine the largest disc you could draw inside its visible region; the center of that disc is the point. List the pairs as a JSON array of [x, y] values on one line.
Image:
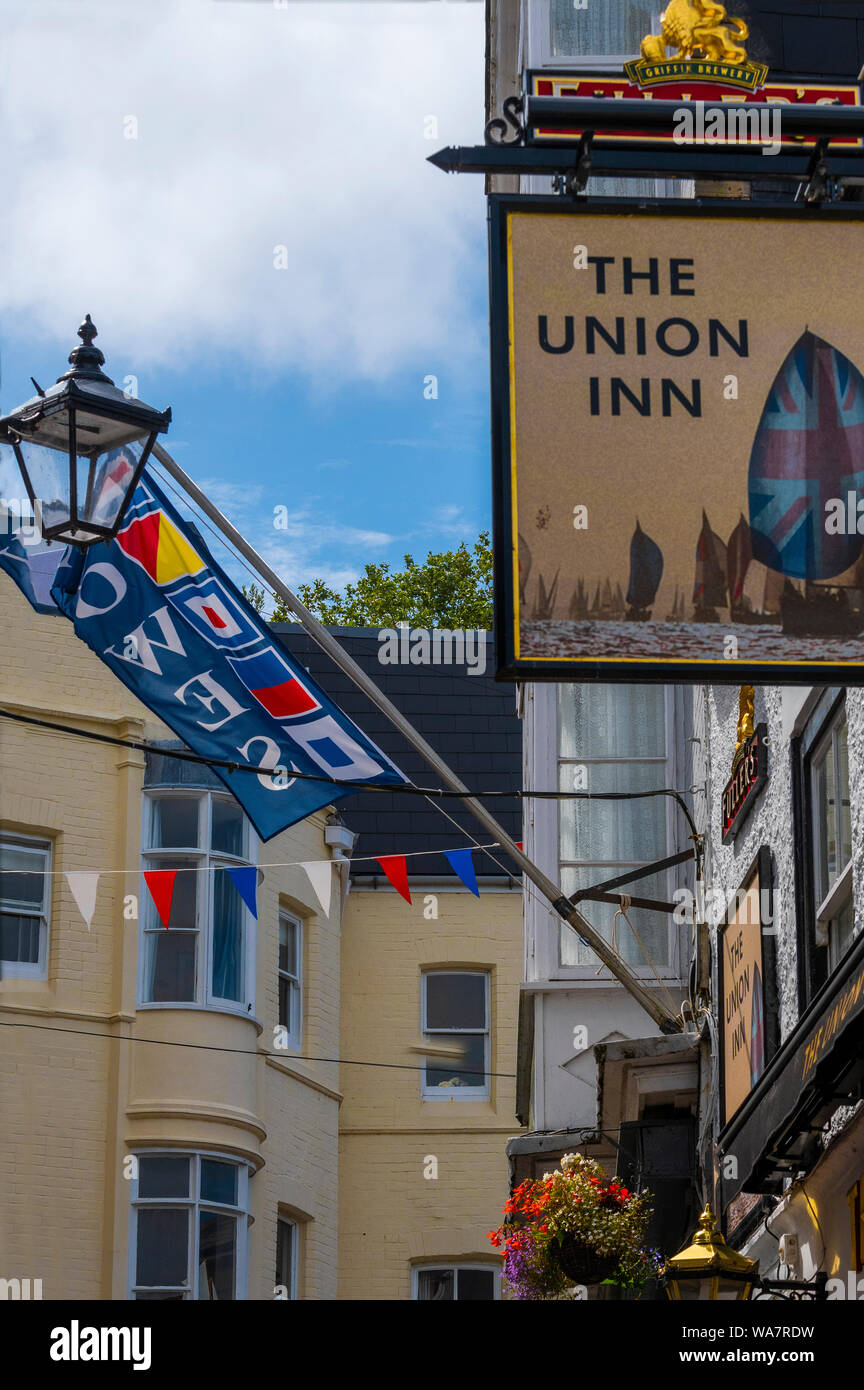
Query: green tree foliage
[[452, 589], [253, 595]]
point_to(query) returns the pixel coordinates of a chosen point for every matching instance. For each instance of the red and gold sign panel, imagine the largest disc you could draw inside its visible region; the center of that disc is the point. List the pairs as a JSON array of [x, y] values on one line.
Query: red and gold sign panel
[[690, 80], [679, 440]]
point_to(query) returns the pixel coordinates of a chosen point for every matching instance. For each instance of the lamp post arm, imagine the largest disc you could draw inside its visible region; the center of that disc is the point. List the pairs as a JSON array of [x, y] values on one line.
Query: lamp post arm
[[551, 891]]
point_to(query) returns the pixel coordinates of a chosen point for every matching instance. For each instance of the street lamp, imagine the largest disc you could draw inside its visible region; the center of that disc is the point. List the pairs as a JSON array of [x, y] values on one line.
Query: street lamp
[[81, 446], [709, 1269]]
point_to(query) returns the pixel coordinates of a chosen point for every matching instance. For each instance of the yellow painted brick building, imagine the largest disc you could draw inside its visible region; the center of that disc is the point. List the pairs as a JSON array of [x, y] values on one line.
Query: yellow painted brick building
[[229, 1143], [162, 1141], [423, 1172]]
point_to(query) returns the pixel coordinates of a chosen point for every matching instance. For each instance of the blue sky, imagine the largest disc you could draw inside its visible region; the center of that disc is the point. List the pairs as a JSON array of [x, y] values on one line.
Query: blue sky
[[165, 163]]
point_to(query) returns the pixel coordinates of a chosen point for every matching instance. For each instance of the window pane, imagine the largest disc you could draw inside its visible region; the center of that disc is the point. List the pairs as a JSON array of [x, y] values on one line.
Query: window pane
[[615, 830], [19, 938], [286, 1003], [845, 825], [823, 798], [652, 927], [435, 1284], [171, 962], [218, 1181], [227, 979], [612, 721], [19, 886], [288, 946], [467, 1071], [217, 1251], [455, 1001], [227, 822], [163, 1175], [285, 1255], [175, 822], [840, 934], [599, 30], [475, 1283], [163, 1249]]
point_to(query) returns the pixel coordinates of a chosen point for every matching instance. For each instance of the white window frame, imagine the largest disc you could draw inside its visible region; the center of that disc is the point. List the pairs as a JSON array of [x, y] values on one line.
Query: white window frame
[[198, 857], [537, 22], [293, 1255], [454, 1266], [834, 897], [670, 968], [40, 848], [193, 1204], [294, 1038], [459, 1093]]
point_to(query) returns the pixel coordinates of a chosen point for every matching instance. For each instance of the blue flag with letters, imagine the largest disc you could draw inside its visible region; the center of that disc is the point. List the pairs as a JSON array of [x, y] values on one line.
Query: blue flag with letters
[[157, 609]]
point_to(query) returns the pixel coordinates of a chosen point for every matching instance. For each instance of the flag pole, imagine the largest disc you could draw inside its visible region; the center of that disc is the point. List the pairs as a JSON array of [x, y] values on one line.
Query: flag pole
[[666, 1022]]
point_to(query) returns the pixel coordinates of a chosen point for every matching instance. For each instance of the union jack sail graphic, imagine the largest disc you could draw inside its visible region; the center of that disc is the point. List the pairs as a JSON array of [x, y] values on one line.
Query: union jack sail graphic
[[808, 449]]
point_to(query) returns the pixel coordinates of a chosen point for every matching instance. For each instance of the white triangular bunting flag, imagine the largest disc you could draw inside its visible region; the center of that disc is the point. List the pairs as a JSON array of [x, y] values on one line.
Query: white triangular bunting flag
[[320, 873], [83, 889]]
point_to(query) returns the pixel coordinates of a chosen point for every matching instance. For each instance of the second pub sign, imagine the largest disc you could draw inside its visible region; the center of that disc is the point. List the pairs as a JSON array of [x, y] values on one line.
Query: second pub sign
[[678, 437]]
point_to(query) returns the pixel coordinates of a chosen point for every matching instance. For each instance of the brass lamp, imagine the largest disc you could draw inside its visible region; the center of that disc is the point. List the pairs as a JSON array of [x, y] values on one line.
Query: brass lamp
[[708, 1269]]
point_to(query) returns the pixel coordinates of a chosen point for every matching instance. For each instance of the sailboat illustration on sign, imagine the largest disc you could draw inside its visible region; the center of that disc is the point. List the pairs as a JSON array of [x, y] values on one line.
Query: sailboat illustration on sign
[[808, 450], [709, 588], [754, 590], [646, 571]]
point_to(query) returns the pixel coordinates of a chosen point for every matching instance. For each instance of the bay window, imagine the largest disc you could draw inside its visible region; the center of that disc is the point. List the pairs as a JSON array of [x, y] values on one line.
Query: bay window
[[206, 955], [190, 1218]]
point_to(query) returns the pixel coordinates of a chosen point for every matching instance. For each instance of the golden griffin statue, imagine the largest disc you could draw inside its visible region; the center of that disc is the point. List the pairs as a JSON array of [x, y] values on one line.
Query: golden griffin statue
[[746, 716], [697, 29]]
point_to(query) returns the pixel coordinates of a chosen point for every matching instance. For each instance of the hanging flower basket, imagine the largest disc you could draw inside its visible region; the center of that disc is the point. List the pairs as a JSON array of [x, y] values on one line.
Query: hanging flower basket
[[581, 1263], [575, 1226]]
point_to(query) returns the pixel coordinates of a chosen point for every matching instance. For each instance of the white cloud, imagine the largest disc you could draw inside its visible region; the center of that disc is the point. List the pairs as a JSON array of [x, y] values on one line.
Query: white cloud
[[258, 127]]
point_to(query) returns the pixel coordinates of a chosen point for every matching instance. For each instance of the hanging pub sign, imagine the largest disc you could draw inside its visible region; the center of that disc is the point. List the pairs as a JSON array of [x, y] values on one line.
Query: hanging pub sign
[[747, 995], [678, 440], [749, 776]]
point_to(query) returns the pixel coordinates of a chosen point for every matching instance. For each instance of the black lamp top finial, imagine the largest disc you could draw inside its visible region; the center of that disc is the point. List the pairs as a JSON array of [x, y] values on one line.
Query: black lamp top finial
[[86, 360]]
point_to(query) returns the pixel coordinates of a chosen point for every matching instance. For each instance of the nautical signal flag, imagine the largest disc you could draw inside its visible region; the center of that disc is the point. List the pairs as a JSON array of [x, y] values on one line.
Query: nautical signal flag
[[156, 608], [159, 547], [270, 679]]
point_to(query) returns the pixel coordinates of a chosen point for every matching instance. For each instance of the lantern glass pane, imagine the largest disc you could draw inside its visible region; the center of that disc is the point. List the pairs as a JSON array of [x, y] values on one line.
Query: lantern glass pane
[[48, 472], [104, 480]]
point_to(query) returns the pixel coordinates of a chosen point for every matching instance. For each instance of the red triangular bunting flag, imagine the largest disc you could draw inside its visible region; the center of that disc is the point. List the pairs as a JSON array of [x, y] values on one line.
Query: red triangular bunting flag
[[396, 870], [518, 844], [161, 885]]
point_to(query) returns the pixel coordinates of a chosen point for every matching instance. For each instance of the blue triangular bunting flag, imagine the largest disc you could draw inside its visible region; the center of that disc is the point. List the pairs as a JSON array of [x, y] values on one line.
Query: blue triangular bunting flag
[[461, 862], [246, 883]]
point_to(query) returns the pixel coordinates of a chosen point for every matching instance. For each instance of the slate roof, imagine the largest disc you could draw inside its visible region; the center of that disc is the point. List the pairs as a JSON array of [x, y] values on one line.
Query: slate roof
[[469, 720]]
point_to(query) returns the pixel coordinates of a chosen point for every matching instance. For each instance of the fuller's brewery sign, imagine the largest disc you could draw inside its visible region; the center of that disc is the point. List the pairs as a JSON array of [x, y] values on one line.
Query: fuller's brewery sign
[[748, 777], [699, 55]]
